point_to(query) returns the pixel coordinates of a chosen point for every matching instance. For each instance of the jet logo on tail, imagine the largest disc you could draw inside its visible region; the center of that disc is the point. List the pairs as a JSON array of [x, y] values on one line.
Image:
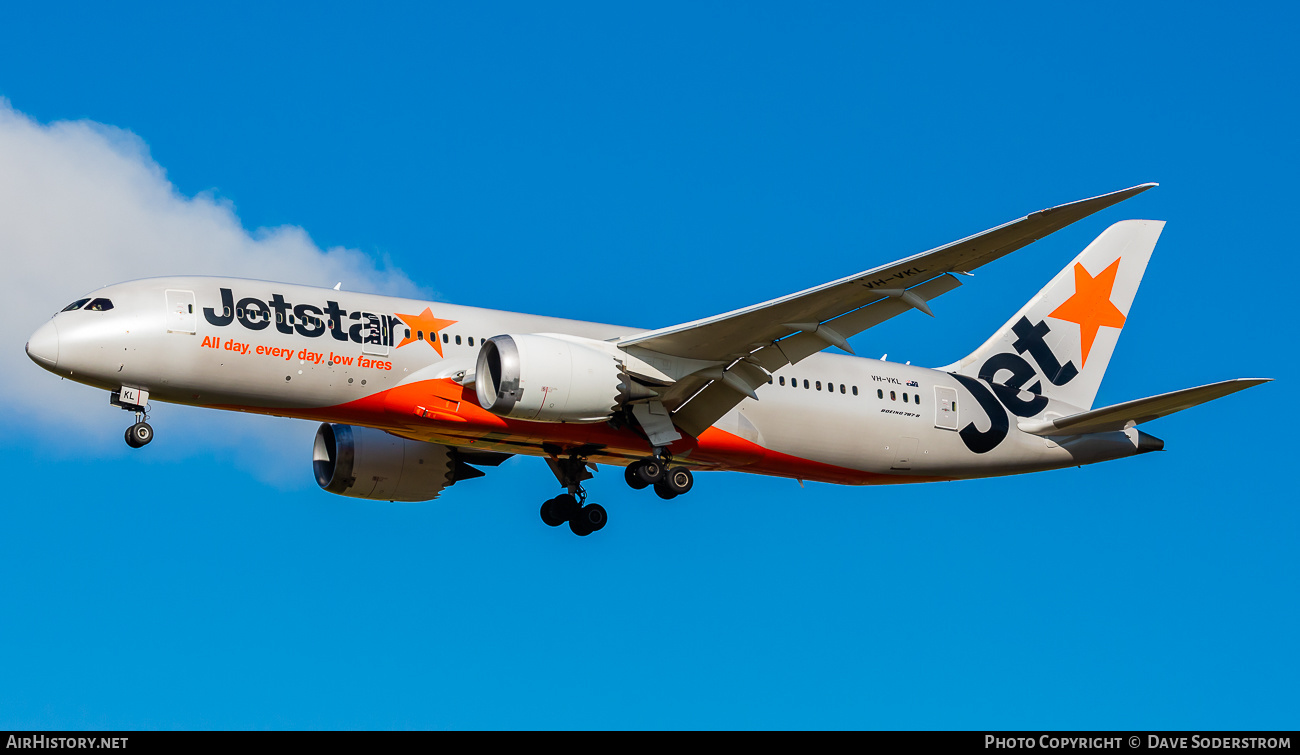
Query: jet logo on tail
[[1007, 376], [1031, 339]]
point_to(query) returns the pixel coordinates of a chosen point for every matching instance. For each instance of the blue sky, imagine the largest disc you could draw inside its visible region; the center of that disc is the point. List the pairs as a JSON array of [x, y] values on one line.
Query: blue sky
[[650, 167]]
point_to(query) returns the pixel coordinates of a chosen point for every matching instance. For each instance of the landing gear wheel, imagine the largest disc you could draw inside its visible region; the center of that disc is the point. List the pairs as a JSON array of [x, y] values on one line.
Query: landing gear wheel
[[588, 519], [664, 491], [649, 471], [679, 480], [549, 515], [139, 435], [559, 510], [633, 480]]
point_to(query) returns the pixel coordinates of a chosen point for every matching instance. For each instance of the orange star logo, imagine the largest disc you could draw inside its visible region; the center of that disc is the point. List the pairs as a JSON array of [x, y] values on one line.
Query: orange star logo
[[424, 324], [1090, 306]]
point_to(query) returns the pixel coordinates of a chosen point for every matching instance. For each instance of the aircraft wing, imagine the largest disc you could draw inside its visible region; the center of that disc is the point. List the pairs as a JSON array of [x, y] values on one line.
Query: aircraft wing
[[1131, 413], [783, 331]]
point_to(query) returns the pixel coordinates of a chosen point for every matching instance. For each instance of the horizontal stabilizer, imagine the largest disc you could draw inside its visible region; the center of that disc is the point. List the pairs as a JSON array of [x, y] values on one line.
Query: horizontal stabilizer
[[1130, 413]]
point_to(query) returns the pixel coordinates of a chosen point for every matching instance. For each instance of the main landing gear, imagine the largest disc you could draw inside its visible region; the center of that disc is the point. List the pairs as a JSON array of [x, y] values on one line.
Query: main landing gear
[[669, 482], [570, 468], [569, 507]]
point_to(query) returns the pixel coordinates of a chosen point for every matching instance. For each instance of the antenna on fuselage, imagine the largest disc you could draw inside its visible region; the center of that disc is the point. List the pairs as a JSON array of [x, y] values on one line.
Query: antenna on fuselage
[[336, 286]]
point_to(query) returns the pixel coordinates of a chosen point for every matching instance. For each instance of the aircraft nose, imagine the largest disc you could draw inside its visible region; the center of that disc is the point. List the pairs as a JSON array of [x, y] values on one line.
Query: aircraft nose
[[43, 346]]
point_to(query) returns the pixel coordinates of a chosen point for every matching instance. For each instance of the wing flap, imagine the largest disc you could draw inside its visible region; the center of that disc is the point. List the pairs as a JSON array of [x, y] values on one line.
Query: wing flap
[[708, 405], [1131, 413]]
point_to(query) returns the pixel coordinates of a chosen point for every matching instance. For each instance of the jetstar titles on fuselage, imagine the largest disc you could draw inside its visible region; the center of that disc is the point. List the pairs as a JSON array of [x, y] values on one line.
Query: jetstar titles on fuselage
[[311, 321]]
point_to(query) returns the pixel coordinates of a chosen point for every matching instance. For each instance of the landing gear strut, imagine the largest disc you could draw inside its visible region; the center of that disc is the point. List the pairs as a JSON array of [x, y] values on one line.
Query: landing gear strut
[[668, 481], [569, 507]]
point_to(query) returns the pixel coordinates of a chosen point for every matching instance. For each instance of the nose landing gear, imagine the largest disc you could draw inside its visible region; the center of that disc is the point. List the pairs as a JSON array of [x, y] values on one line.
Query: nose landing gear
[[134, 400]]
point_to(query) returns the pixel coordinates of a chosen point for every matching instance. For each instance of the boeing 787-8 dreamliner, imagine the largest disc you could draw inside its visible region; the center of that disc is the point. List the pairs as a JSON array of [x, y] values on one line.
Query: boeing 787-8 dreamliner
[[415, 396]]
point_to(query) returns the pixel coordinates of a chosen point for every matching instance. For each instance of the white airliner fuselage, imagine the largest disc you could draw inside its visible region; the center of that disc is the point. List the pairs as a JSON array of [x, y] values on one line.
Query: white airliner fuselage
[[415, 393]]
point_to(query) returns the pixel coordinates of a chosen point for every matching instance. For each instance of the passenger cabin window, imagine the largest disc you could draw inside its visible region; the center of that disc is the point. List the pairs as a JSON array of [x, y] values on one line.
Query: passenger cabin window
[[99, 305], [880, 393], [445, 338], [855, 390], [781, 381], [78, 304], [471, 340], [893, 396], [457, 340]]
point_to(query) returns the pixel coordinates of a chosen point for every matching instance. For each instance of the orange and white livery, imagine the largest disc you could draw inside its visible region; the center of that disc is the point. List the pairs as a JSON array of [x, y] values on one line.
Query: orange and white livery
[[416, 396]]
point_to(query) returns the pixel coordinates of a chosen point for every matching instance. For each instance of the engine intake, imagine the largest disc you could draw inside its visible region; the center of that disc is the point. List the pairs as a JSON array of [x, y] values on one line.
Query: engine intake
[[363, 462], [546, 378]]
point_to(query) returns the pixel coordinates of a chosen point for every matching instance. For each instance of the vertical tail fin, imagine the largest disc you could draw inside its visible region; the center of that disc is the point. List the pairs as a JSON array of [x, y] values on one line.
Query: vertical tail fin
[[1058, 345]]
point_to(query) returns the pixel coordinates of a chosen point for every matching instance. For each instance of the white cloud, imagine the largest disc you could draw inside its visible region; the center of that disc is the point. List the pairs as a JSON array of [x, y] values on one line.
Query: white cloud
[[83, 205]]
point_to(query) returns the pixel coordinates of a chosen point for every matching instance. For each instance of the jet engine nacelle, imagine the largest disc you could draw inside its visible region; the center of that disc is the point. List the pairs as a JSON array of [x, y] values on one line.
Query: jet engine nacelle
[[363, 462], [546, 378]]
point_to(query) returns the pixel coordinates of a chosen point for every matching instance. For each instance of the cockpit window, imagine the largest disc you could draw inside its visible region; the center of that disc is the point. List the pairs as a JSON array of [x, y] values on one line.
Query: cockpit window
[[99, 305], [75, 305]]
